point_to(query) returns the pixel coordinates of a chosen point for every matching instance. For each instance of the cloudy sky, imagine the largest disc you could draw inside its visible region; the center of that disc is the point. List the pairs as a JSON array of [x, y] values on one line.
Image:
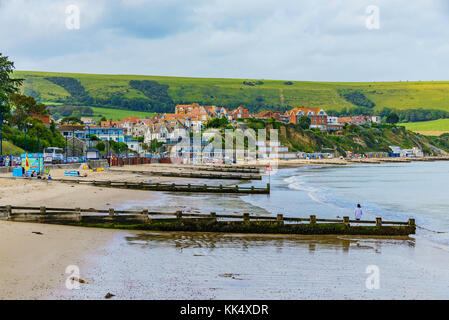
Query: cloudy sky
[[332, 40]]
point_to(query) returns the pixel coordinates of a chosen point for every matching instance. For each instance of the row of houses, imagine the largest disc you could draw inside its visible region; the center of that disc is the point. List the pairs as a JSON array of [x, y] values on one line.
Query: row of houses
[[319, 118], [165, 127], [195, 115], [192, 117]]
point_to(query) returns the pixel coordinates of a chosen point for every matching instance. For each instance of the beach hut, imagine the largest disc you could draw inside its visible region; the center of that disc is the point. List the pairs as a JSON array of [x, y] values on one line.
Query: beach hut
[[93, 154]]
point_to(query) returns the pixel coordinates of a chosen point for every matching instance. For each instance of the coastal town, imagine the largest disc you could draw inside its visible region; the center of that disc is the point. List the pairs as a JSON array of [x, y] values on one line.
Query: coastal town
[[156, 135]]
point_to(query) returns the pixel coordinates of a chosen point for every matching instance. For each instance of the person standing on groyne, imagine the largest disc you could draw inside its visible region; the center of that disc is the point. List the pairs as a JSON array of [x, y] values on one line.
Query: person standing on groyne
[[358, 212]]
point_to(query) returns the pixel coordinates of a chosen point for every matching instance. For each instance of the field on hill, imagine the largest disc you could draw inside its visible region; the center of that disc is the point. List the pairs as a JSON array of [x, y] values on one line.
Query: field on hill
[[116, 91], [118, 114], [434, 128]]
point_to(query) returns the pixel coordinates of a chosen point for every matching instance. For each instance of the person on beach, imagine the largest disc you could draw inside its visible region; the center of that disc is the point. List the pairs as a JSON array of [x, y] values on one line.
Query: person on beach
[[358, 212]]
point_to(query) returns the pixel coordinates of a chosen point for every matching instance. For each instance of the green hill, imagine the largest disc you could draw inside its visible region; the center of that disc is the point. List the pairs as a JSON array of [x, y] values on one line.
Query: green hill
[[435, 127], [161, 94]]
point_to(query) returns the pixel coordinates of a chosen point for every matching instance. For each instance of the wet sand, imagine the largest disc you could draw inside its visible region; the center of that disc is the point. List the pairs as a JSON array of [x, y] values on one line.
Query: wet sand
[[32, 266], [154, 265]]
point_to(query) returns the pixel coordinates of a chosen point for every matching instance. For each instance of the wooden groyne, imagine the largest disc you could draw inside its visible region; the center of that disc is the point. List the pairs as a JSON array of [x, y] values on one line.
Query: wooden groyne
[[181, 221], [199, 175], [168, 187], [217, 168]]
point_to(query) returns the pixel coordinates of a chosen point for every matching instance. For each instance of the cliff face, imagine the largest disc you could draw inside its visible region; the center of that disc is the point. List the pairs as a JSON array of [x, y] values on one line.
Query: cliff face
[[376, 138]]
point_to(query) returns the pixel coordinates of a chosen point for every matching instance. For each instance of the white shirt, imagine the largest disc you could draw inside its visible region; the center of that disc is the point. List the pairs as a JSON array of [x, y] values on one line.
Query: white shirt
[[358, 213]]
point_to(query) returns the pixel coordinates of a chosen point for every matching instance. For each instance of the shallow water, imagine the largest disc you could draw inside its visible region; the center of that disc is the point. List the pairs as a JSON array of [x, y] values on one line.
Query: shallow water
[[154, 265]]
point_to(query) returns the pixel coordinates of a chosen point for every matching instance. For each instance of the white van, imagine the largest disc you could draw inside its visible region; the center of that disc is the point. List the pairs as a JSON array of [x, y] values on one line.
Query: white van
[[53, 155]]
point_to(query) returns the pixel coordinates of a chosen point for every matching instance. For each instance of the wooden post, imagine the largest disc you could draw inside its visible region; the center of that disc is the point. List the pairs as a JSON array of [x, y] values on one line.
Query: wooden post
[[280, 218], [78, 214], [8, 212], [346, 221], [111, 212], [43, 210], [378, 222], [179, 214], [411, 222], [312, 219], [145, 218], [214, 216], [246, 217]]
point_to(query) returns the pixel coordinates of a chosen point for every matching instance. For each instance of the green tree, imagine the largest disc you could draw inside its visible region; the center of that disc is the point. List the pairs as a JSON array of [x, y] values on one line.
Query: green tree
[[304, 122], [155, 145], [216, 123], [25, 107], [8, 85], [94, 138], [393, 118], [100, 146], [71, 120]]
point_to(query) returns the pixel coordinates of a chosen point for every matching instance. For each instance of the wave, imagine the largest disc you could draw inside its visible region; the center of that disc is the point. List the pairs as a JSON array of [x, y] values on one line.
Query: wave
[[316, 194]]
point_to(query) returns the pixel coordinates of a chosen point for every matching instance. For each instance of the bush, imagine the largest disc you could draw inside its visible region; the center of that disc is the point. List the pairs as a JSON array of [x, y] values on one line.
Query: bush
[[356, 97]]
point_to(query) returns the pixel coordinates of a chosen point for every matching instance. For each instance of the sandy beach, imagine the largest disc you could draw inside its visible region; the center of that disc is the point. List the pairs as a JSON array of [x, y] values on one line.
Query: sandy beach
[[33, 266]]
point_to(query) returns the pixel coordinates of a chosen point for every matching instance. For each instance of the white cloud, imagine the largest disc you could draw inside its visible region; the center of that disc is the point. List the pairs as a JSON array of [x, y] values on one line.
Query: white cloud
[[284, 39]]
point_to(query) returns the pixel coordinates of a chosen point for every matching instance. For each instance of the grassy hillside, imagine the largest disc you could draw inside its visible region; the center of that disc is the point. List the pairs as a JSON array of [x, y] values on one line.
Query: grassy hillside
[[436, 127], [376, 138], [119, 114], [8, 147], [163, 93]]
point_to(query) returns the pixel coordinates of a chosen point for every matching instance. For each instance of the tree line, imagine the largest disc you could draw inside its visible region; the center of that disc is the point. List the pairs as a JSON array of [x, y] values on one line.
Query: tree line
[[21, 126]]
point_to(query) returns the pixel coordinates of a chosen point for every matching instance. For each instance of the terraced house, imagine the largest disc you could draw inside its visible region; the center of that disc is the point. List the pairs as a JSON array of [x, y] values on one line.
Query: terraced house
[[317, 115], [195, 112]]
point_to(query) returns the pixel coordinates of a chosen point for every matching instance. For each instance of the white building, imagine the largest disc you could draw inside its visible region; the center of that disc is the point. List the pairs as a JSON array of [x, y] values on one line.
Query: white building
[[414, 152], [267, 149], [376, 119], [332, 120]]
